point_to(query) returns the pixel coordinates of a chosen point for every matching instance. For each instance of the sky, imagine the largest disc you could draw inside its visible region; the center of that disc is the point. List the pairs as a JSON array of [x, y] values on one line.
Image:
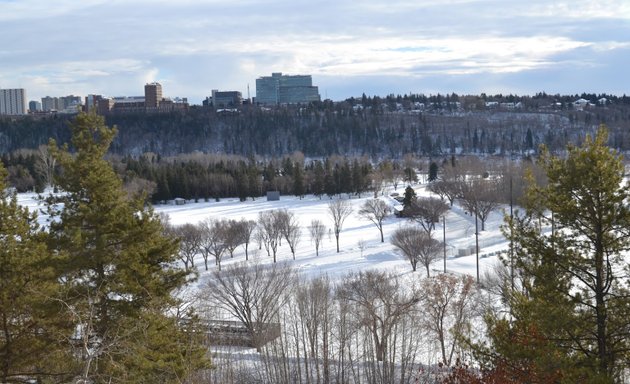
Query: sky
[[114, 47]]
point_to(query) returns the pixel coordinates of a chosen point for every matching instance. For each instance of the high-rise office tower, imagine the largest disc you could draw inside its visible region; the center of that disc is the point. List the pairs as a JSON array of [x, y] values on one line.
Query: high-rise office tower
[[286, 89]]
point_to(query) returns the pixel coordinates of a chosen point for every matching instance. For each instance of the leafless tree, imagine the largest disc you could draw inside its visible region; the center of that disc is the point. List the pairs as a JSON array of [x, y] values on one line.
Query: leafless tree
[[426, 211], [417, 245], [362, 244], [45, 164], [270, 231], [339, 210], [377, 182], [315, 308], [248, 229], [376, 211], [232, 235], [190, 240], [480, 197], [446, 189], [379, 304], [213, 241], [317, 230], [289, 229], [252, 293], [449, 304]]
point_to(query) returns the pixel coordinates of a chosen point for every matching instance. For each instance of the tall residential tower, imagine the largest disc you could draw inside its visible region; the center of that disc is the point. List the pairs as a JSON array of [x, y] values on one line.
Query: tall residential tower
[[152, 95], [13, 101]]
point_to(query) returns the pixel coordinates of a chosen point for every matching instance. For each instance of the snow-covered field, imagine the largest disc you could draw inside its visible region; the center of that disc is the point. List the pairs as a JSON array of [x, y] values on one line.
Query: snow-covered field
[[460, 235]]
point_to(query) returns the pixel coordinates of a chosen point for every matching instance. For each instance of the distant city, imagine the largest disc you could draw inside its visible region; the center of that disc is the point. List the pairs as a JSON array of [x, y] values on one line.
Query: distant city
[[277, 89]]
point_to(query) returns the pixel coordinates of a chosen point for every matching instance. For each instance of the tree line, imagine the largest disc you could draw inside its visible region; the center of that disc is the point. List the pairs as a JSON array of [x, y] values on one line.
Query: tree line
[[377, 130]]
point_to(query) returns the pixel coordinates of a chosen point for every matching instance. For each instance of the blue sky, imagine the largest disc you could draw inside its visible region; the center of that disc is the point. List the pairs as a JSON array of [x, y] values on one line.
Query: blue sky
[[379, 47]]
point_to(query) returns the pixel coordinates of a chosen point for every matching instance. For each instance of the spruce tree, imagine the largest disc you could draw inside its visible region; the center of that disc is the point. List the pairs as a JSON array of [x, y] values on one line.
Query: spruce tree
[[121, 270], [30, 315], [298, 181]]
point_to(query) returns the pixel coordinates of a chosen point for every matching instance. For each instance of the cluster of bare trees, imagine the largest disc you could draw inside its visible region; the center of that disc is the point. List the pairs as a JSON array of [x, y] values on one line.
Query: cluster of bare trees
[[479, 193], [215, 238], [212, 238], [370, 327]]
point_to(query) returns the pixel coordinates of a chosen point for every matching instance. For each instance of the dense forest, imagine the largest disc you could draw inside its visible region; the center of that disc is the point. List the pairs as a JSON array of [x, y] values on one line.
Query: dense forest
[[323, 149], [374, 127]]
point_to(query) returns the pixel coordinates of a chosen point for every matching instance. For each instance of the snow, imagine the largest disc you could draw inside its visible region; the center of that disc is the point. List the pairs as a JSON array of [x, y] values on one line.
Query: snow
[[460, 235]]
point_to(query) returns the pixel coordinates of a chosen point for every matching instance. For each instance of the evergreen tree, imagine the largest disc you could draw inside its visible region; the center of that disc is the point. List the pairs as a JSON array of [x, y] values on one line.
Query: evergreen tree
[[31, 318], [298, 181], [408, 198], [574, 300], [120, 273], [319, 179], [433, 171]]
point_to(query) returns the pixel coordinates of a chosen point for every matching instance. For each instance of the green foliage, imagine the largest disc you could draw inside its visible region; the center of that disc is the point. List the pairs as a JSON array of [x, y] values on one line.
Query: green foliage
[[569, 317], [30, 316], [119, 264], [409, 197]]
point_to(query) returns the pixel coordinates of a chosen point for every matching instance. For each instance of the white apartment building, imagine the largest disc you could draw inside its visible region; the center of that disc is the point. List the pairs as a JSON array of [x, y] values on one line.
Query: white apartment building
[[13, 102]]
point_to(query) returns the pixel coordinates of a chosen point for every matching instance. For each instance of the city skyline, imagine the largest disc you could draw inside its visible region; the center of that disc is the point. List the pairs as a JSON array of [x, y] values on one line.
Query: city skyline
[[115, 47]]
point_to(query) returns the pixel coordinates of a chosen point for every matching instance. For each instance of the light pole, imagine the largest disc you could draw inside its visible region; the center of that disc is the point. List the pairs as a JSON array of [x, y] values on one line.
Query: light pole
[[477, 244], [444, 239]]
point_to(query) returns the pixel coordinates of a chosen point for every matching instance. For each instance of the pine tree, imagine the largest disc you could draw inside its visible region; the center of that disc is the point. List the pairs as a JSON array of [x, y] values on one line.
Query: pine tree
[[408, 197], [31, 318], [298, 181], [574, 300], [318, 186], [121, 271], [433, 171]]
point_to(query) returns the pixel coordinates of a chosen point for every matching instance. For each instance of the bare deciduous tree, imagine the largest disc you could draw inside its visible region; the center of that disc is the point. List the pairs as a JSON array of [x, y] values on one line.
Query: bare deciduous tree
[[417, 245], [289, 229], [377, 182], [339, 210], [480, 197], [252, 293], [190, 240], [376, 211], [379, 304], [233, 235], [446, 189], [212, 243], [426, 211], [270, 231], [449, 304], [248, 227], [45, 164], [315, 307], [317, 230]]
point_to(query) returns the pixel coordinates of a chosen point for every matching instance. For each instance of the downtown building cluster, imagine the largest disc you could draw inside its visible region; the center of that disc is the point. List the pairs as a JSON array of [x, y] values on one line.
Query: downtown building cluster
[[277, 89]]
